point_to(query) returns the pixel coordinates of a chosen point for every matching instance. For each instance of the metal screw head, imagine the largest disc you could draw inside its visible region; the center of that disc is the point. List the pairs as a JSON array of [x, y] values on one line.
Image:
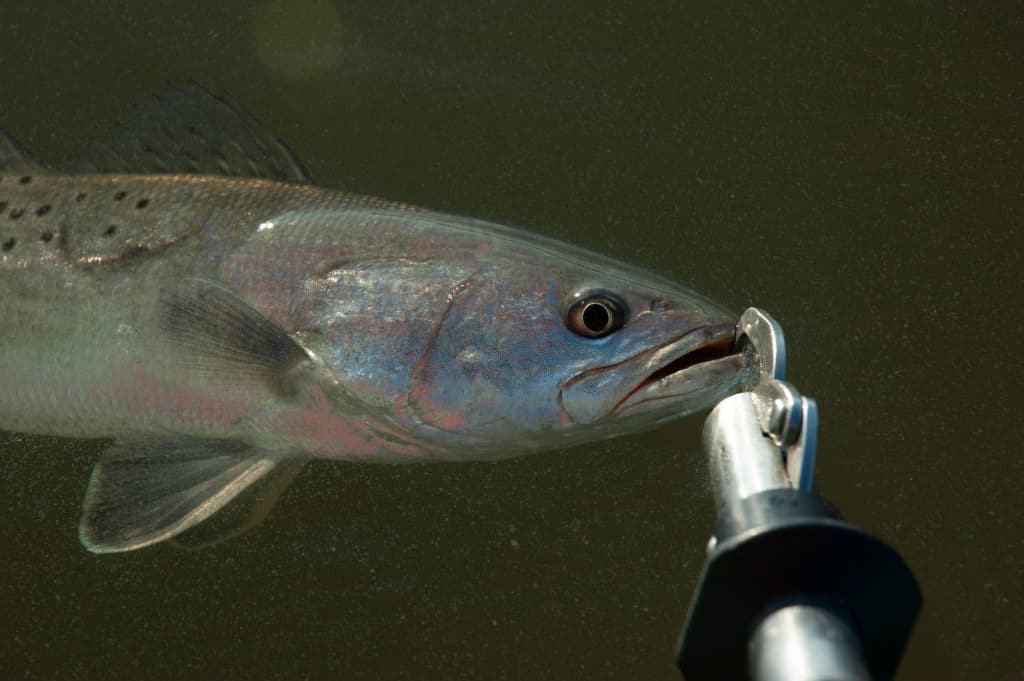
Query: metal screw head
[[777, 418]]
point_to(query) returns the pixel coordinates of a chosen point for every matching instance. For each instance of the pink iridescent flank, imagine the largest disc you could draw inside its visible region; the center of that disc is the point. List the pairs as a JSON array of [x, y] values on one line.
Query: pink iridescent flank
[[275, 291], [145, 396], [448, 248], [333, 435], [453, 420]]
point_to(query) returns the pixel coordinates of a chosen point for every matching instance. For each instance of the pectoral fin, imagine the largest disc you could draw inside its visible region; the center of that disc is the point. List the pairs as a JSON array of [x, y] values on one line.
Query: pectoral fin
[[145, 491], [221, 334], [213, 331]]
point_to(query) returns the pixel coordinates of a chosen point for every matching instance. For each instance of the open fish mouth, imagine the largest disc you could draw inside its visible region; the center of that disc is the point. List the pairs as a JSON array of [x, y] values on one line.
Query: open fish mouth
[[694, 371], [704, 361]]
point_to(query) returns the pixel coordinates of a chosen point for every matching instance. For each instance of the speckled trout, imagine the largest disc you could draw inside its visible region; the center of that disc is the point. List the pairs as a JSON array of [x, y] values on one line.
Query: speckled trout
[[191, 296]]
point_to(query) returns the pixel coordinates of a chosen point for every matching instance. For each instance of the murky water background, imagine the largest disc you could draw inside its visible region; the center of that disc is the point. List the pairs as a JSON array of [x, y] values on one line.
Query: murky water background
[[857, 172]]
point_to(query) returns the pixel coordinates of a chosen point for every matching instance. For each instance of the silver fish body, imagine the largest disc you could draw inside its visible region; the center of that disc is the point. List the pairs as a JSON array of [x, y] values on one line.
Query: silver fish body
[[215, 326]]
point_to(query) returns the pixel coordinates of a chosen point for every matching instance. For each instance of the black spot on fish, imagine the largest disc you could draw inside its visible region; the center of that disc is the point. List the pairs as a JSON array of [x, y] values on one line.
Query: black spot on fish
[[80, 197], [25, 179], [142, 203], [9, 244], [109, 231], [3, 206], [120, 195], [43, 209], [17, 213], [46, 237]]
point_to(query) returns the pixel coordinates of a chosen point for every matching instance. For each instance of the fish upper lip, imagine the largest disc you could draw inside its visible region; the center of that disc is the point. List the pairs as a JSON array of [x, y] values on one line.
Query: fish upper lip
[[719, 343]]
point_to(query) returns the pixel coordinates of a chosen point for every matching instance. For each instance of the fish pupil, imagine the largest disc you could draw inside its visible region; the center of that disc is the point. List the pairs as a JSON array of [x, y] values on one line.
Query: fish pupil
[[596, 317]]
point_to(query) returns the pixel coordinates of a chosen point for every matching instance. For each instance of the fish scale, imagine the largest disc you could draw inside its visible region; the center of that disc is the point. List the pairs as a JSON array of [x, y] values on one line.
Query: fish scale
[[215, 325], [84, 221]]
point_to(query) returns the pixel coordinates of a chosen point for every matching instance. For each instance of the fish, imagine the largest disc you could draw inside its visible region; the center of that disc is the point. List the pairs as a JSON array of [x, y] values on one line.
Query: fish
[[187, 293]]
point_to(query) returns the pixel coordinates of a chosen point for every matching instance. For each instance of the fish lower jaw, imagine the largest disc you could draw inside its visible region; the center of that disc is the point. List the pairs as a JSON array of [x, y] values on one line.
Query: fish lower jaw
[[687, 390]]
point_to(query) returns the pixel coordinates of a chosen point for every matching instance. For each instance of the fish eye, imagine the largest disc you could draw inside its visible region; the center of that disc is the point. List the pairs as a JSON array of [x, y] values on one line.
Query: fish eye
[[595, 315]]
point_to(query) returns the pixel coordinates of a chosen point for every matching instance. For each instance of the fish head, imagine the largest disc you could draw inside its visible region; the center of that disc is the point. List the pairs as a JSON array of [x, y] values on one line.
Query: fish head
[[538, 352]]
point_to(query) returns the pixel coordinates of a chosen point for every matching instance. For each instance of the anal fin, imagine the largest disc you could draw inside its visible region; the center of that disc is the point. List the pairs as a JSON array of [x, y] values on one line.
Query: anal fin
[[147, 490]]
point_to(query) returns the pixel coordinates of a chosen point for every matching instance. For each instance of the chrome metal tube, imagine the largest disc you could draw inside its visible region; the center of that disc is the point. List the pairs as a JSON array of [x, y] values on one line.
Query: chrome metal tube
[[805, 643], [743, 461]]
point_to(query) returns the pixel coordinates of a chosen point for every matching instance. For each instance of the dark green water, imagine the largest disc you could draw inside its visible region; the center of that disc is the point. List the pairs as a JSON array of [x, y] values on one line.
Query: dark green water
[[857, 172]]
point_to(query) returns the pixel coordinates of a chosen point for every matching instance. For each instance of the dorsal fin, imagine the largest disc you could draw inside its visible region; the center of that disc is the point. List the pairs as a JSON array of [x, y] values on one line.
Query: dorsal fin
[[190, 130], [13, 157]]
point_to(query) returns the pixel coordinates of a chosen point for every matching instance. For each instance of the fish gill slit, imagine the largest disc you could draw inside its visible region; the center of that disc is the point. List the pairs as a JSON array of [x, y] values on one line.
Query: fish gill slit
[[435, 333]]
